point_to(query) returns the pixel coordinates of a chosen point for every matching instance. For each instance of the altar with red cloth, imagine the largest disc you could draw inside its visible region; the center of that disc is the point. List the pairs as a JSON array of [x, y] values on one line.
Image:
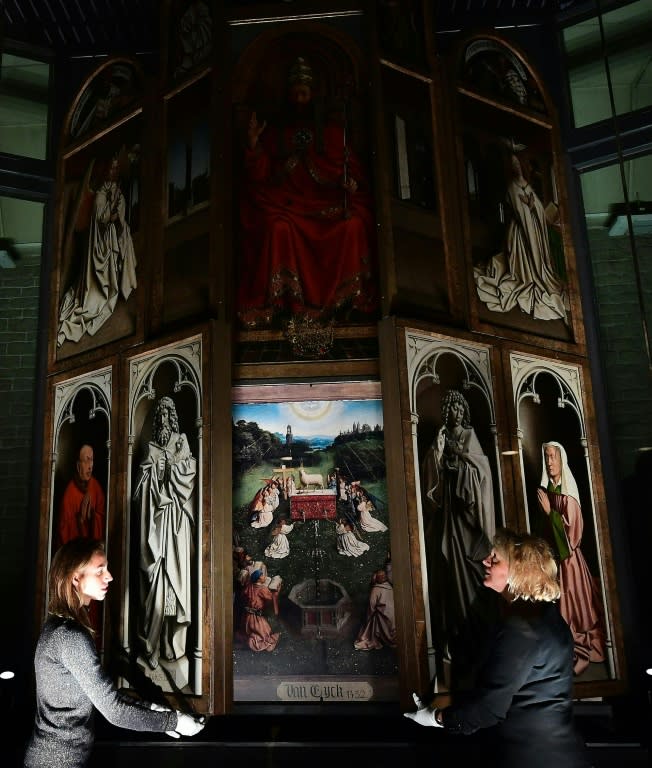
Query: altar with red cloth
[[316, 505]]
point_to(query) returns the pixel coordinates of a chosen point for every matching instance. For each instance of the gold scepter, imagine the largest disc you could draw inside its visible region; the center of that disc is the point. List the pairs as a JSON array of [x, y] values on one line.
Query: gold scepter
[[346, 213]]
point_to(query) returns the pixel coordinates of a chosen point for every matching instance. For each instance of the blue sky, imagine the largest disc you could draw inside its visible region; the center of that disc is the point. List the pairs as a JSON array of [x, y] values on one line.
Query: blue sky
[[309, 418]]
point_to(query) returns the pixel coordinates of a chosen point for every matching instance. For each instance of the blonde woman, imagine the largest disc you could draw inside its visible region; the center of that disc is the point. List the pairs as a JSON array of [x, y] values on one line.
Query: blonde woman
[[524, 688]]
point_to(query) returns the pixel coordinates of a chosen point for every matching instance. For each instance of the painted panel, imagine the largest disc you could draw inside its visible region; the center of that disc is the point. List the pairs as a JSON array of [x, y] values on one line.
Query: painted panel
[[163, 613], [313, 592], [559, 489]]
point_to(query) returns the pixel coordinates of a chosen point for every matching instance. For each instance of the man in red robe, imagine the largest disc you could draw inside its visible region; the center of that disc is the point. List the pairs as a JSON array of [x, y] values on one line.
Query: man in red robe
[[306, 216], [82, 511], [257, 629]]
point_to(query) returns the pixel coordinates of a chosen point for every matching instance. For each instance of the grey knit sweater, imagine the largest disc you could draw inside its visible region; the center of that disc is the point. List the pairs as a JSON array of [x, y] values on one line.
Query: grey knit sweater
[[70, 682]]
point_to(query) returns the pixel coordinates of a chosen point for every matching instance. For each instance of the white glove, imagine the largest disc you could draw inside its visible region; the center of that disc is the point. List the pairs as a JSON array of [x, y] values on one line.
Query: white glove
[[159, 708], [424, 715], [187, 725]]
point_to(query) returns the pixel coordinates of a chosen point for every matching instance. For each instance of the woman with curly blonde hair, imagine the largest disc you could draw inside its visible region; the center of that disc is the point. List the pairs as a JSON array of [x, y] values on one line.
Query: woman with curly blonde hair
[[532, 570], [524, 689]]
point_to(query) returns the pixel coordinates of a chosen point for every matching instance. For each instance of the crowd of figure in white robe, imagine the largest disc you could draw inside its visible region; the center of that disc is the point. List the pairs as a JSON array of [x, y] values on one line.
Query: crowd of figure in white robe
[[256, 591]]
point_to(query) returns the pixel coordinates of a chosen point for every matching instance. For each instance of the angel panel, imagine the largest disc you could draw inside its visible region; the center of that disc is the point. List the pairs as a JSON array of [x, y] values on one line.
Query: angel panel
[[519, 271], [526, 273], [100, 243]]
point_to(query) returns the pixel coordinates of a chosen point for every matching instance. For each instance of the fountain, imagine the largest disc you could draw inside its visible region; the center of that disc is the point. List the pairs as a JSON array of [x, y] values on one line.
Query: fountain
[[324, 604]]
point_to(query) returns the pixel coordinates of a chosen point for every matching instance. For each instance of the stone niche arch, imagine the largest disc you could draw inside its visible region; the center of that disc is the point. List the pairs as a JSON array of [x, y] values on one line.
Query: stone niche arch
[[165, 521]]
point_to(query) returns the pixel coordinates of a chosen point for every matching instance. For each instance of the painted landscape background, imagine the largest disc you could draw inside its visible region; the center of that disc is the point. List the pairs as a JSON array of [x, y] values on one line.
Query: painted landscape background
[[341, 438]]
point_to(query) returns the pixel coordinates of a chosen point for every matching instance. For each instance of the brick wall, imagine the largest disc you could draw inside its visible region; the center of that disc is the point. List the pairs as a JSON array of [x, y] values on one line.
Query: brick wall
[[19, 289], [624, 360]]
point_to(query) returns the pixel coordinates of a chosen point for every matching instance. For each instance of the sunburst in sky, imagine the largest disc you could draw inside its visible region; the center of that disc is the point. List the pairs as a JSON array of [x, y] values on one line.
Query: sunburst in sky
[[311, 417]]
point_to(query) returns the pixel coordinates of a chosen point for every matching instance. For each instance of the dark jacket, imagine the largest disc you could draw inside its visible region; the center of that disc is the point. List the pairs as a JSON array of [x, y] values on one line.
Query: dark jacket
[[524, 691]]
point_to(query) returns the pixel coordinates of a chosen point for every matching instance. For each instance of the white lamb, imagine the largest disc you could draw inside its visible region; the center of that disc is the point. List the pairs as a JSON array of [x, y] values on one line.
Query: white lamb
[[308, 480]]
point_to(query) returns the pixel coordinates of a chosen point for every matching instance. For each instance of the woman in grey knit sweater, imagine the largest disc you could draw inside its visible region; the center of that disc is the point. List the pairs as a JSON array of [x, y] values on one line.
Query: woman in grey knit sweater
[[70, 681]]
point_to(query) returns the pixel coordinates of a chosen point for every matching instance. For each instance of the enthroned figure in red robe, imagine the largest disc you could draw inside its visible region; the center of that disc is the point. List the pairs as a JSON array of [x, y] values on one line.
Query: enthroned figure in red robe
[[307, 224]]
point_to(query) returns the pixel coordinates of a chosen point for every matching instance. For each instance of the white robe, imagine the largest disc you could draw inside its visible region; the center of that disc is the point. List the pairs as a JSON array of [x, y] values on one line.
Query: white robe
[[109, 269], [367, 521], [348, 543], [523, 276], [166, 547], [265, 515], [280, 545]]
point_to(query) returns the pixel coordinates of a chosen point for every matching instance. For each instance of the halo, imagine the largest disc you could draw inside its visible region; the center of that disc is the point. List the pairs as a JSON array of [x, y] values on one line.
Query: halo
[[311, 410]]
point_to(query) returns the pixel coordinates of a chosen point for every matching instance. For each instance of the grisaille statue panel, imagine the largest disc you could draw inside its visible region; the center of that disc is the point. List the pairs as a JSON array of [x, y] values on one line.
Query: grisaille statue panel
[[163, 622]]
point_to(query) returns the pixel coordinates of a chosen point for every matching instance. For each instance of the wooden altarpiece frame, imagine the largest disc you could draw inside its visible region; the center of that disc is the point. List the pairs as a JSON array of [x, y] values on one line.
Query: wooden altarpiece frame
[[312, 655], [259, 86], [82, 413], [167, 483], [100, 208], [499, 382], [519, 256], [551, 400], [420, 369]]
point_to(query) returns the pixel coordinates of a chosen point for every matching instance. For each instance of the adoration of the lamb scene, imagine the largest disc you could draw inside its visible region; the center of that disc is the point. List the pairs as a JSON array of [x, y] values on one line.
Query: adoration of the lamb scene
[[312, 566]]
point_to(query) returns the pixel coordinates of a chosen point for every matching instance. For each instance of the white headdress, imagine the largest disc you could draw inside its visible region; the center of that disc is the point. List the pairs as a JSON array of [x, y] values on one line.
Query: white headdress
[[568, 484]]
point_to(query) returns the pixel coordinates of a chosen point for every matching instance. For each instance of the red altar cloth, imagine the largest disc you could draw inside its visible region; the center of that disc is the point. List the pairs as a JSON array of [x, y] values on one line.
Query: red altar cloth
[[313, 506]]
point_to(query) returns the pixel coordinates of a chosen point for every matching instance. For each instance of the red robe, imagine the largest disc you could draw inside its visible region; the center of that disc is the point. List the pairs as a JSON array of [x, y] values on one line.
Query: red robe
[[70, 523], [580, 601], [379, 628], [306, 245], [258, 630]]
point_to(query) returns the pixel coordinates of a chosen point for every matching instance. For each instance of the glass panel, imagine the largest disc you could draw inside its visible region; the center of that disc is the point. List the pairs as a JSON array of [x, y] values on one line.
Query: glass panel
[[587, 77], [627, 33], [23, 106], [21, 227], [410, 129], [624, 303], [188, 150]]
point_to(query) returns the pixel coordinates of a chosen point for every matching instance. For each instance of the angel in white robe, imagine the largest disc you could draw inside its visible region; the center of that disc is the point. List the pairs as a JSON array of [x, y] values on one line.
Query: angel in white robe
[[522, 275], [108, 270], [279, 546]]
